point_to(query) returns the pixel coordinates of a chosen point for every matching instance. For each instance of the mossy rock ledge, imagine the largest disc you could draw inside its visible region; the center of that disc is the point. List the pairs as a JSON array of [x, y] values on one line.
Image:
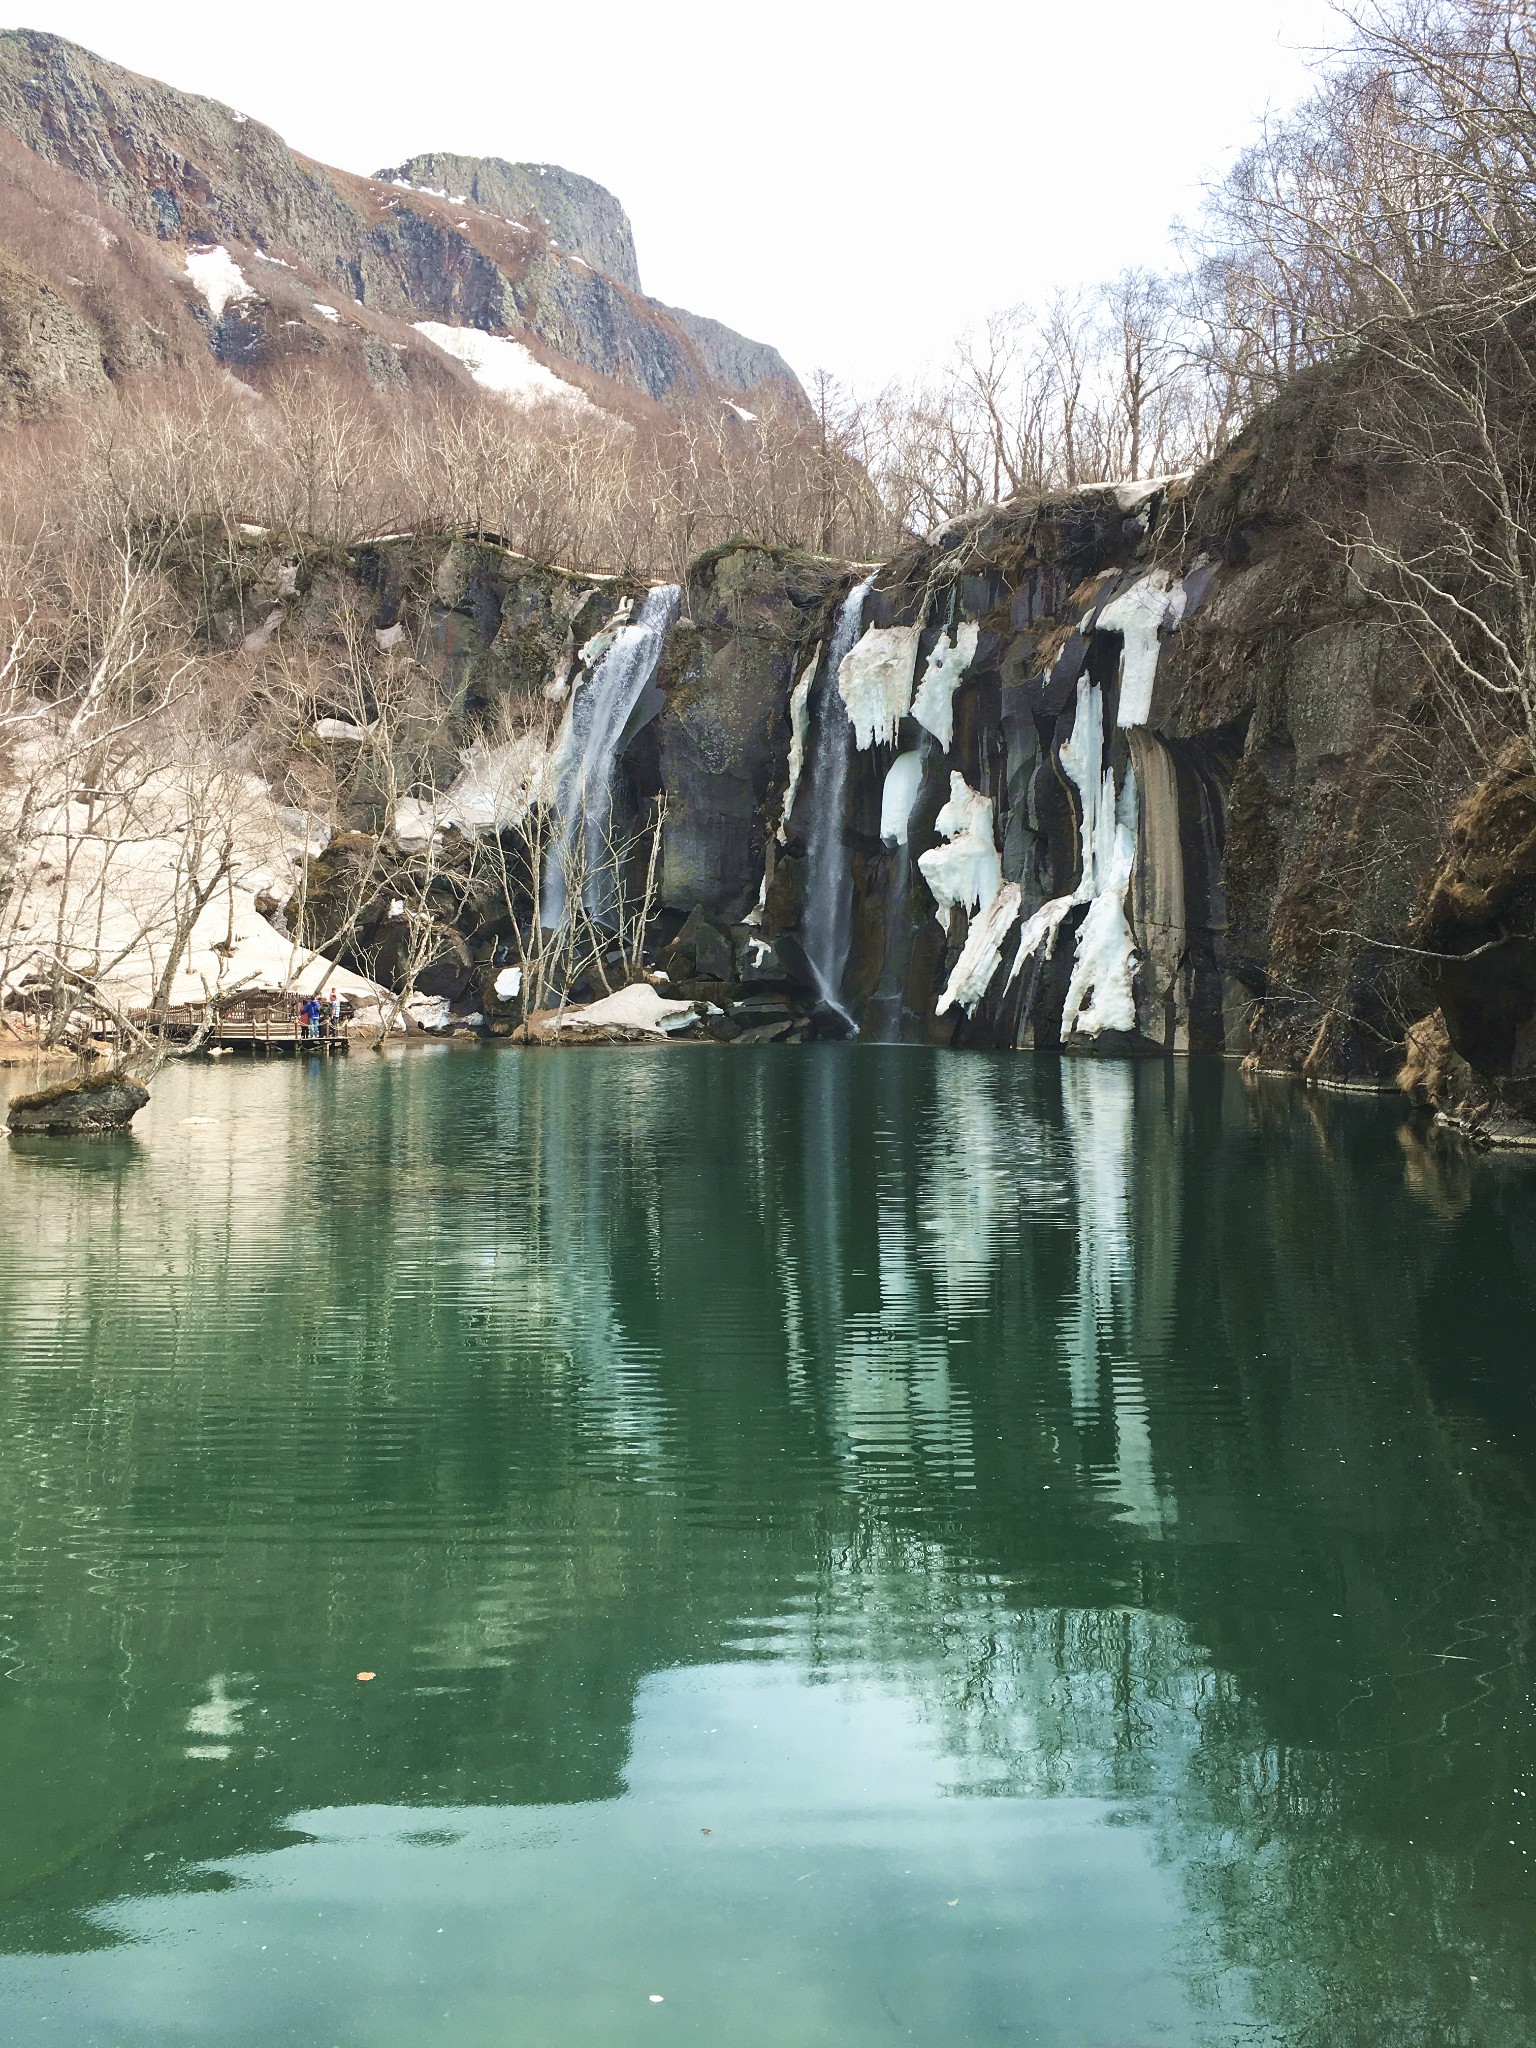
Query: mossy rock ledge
[[91, 1103]]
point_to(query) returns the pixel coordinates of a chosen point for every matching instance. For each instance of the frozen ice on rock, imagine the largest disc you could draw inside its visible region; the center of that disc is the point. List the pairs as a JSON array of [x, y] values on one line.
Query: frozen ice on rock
[[967, 870], [933, 707], [874, 680]]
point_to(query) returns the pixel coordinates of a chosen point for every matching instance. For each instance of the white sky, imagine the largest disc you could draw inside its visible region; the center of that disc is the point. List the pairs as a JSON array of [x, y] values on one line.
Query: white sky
[[852, 181]]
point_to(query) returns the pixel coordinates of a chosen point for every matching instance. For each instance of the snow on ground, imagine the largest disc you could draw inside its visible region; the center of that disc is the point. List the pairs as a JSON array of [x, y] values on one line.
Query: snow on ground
[[219, 278], [415, 823], [105, 887], [874, 680], [739, 410], [503, 365], [636, 1008], [1140, 615], [933, 707], [328, 313], [496, 785], [491, 793], [967, 870]]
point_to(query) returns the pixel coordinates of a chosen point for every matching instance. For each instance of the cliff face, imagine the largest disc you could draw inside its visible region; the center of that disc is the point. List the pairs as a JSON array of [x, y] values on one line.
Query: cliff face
[[582, 217], [529, 251], [1138, 771]]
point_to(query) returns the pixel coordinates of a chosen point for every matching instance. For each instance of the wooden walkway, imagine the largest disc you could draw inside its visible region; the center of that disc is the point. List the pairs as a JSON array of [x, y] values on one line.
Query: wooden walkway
[[268, 1032], [264, 1024]]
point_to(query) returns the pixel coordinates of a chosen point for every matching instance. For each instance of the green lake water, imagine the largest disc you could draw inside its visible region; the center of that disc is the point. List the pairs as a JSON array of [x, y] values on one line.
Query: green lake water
[[855, 1545]]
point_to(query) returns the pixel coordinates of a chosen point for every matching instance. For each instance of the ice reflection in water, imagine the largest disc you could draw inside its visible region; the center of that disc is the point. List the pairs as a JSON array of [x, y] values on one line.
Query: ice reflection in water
[[1096, 1496]]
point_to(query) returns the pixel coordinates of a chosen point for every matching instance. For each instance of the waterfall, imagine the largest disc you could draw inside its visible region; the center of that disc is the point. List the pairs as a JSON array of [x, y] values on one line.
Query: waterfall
[[589, 751], [827, 920]]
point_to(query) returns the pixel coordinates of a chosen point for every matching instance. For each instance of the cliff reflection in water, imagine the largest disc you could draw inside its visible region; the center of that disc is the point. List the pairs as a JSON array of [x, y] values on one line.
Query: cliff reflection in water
[[1141, 1440]]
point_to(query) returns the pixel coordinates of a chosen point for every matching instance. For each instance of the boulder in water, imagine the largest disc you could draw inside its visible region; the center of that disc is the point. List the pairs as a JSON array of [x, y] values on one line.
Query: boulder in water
[[89, 1104]]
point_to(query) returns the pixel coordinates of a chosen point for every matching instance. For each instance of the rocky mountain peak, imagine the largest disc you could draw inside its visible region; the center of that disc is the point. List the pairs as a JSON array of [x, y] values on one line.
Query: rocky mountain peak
[[316, 259], [582, 217]]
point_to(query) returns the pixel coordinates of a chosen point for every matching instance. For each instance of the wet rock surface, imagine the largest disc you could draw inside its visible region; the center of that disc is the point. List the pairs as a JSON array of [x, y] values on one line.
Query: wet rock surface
[[90, 1105]]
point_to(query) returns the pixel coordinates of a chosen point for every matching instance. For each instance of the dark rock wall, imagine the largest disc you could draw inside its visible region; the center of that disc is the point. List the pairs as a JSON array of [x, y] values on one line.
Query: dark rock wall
[[1314, 880]]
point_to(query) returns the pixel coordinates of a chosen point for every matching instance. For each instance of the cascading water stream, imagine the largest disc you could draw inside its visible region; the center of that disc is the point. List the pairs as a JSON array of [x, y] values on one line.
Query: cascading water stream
[[582, 848], [827, 920]]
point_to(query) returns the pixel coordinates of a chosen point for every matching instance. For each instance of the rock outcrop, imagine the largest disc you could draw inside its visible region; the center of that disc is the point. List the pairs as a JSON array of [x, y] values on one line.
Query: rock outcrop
[[1131, 771], [85, 1107]]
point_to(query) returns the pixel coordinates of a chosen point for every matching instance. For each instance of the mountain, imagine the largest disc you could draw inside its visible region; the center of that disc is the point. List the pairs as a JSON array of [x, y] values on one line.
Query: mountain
[[107, 262]]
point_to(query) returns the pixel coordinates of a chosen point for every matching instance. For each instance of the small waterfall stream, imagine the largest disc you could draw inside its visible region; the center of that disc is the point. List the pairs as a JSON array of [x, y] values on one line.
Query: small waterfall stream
[[600, 711], [827, 919]]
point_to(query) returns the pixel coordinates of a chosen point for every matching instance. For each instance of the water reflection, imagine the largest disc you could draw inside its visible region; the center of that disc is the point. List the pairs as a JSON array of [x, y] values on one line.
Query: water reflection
[[1098, 1495]]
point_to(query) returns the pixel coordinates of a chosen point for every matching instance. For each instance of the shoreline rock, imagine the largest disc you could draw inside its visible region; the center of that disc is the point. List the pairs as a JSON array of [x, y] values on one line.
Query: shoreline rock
[[89, 1105]]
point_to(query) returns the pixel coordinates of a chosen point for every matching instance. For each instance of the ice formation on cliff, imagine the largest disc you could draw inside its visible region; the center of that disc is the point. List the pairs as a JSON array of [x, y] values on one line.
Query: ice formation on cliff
[[1099, 996], [874, 680], [1154, 602], [898, 793], [1040, 929], [967, 869], [983, 949], [933, 706], [799, 728]]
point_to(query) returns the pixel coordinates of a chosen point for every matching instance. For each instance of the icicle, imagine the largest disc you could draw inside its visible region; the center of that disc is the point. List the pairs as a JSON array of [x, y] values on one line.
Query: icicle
[[898, 794], [933, 707], [967, 871], [1139, 615], [982, 951], [874, 680]]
